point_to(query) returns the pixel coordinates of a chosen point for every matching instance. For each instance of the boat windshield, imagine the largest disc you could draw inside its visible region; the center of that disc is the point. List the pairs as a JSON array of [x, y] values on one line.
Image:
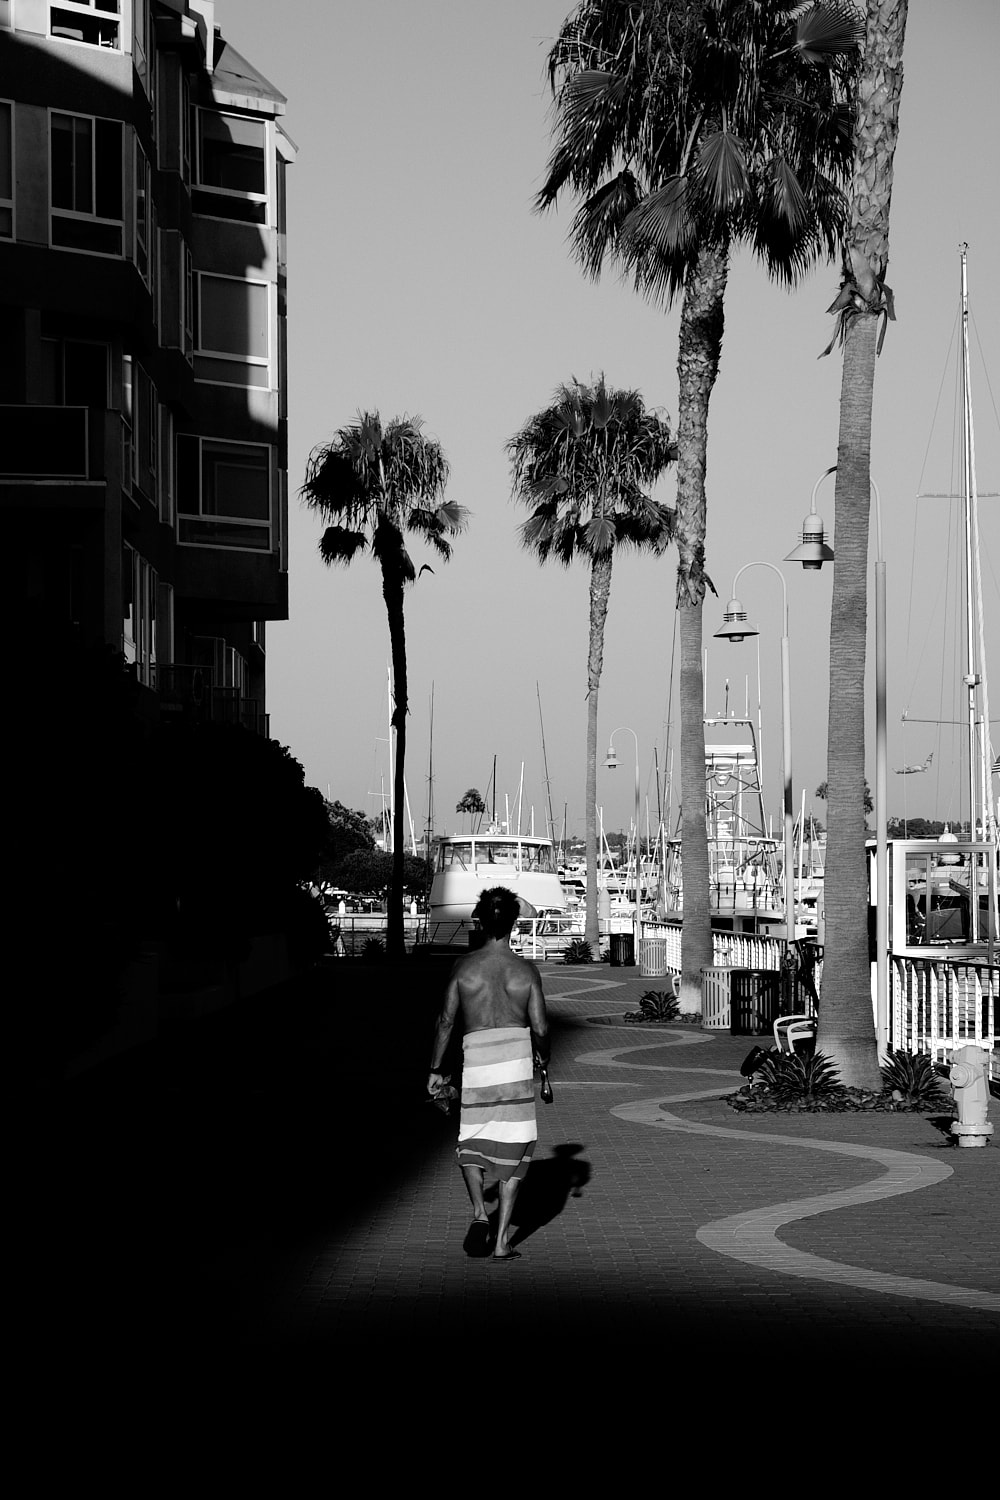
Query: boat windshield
[[509, 854]]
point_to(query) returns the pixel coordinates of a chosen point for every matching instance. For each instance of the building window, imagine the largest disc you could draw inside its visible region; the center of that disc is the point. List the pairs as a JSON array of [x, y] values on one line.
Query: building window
[[142, 36], [128, 445], [74, 372], [233, 325], [6, 170], [94, 22], [231, 161], [86, 184], [140, 435], [187, 312], [166, 466], [143, 203], [139, 585], [185, 123], [223, 493]]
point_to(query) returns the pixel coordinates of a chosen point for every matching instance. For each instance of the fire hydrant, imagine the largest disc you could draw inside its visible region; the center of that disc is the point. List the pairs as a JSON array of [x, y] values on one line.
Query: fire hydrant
[[967, 1075]]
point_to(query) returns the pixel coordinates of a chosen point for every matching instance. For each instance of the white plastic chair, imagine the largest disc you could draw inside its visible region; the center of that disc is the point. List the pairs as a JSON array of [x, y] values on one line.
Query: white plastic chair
[[791, 1029]]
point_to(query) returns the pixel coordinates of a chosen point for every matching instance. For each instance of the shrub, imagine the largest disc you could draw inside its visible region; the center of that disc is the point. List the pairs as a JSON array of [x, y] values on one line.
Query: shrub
[[373, 951], [656, 1005], [800, 1077], [912, 1076], [578, 951]]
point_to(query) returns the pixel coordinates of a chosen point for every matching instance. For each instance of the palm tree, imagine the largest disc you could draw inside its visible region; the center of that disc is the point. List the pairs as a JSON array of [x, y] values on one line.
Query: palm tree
[[846, 1032], [585, 465], [372, 484], [472, 802], [686, 127]]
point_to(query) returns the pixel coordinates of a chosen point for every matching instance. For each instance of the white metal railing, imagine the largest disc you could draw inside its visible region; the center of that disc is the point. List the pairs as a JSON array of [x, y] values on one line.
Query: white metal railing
[[938, 1005], [734, 950]]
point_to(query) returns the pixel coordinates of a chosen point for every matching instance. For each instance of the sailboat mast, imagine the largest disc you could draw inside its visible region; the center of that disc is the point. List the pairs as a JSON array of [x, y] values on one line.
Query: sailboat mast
[[980, 757], [971, 677], [430, 782], [545, 767]]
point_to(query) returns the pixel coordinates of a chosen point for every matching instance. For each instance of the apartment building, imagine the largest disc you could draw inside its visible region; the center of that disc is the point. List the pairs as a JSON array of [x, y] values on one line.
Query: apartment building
[[143, 430]]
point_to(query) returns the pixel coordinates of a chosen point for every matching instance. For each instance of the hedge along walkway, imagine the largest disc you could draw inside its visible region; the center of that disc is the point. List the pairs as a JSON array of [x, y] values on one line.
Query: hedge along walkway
[[752, 1236]]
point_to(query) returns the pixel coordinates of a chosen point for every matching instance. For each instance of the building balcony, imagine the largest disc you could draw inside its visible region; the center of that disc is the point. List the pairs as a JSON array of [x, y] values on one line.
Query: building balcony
[[59, 455], [47, 442], [188, 695]]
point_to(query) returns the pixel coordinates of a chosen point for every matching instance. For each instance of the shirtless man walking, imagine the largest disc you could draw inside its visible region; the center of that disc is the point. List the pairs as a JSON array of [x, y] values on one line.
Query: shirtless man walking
[[499, 997]]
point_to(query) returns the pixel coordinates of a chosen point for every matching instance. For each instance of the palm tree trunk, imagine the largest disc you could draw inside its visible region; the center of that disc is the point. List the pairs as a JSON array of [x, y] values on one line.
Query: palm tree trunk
[[600, 592], [392, 593], [702, 320], [846, 1025]]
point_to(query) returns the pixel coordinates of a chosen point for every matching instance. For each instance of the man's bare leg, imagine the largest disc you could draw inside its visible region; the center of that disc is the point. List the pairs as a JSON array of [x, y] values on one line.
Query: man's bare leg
[[508, 1192], [474, 1182]]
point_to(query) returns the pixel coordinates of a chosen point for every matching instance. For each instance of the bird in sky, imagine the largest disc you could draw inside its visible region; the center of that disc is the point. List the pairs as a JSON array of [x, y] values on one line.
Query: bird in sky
[[912, 770]]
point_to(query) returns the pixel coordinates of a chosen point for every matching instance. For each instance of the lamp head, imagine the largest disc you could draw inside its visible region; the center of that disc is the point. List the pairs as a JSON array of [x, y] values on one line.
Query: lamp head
[[611, 763], [813, 552], [734, 626]]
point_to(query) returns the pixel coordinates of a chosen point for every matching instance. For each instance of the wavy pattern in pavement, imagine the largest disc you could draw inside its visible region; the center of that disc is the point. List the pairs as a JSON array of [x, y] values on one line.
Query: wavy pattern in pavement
[[752, 1236]]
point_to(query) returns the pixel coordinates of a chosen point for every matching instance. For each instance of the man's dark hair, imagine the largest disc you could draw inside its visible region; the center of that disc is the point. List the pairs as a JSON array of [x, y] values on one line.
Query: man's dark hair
[[496, 911]]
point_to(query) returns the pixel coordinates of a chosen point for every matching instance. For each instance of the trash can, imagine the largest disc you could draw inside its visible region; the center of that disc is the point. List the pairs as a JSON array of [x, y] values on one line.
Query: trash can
[[652, 957], [754, 1001], [622, 949]]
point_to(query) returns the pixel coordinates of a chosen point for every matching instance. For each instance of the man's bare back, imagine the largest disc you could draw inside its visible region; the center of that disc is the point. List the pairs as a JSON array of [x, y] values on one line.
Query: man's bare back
[[493, 987], [498, 988]]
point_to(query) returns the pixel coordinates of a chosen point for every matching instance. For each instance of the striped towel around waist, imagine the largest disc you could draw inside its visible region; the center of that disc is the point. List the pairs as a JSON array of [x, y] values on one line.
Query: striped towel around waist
[[497, 1130]]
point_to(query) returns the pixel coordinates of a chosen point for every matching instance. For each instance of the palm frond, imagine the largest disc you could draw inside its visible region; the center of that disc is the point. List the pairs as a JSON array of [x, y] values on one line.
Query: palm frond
[[787, 200], [590, 116], [597, 221], [332, 485], [661, 221], [721, 169], [588, 97], [599, 536], [829, 27], [454, 517], [435, 521], [340, 545], [441, 546]]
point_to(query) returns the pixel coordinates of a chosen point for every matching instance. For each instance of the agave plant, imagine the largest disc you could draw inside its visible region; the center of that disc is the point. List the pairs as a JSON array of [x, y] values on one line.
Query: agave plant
[[800, 1077], [912, 1075], [578, 951], [373, 950], [659, 1005]]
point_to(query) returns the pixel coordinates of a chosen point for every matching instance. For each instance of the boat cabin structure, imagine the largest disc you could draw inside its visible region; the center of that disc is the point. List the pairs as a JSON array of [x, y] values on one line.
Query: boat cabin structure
[[468, 864]]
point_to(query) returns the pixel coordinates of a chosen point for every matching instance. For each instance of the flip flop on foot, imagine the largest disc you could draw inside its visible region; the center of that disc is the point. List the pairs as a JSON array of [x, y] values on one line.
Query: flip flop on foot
[[477, 1239], [511, 1255]]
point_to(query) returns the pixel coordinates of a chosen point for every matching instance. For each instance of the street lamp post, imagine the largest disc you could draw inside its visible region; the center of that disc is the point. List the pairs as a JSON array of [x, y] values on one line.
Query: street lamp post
[[611, 764], [734, 628], [812, 554]]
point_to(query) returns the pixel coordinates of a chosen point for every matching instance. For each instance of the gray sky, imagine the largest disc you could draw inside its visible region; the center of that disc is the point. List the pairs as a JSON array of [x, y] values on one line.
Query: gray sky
[[421, 282]]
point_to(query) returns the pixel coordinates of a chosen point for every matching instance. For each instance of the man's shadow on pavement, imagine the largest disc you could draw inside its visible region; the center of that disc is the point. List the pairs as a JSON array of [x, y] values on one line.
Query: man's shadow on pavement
[[548, 1184]]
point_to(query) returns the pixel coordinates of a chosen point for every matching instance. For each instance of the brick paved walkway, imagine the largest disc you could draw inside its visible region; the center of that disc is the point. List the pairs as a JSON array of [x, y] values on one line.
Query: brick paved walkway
[[314, 1207]]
